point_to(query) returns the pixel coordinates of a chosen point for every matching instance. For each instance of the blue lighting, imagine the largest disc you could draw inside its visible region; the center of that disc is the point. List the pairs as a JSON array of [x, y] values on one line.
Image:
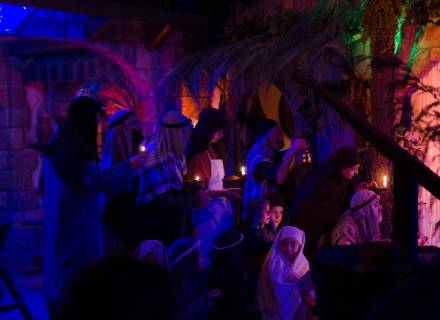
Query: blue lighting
[[44, 23], [12, 16]]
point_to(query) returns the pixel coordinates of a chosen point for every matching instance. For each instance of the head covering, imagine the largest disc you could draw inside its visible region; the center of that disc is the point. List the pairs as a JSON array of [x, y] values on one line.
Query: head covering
[[227, 239], [210, 121], [264, 126], [74, 145], [319, 202], [261, 151], [254, 211], [166, 162], [346, 157], [364, 214], [154, 247], [300, 265], [213, 118], [119, 144], [276, 295]]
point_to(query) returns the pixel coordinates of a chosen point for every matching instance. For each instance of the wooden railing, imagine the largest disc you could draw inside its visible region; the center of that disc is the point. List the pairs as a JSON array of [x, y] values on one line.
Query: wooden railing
[[408, 171]]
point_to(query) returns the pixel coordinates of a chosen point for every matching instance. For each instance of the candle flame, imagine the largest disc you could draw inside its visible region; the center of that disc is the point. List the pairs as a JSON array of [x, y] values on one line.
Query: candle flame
[[243, 170], [197, 178], [385, 181], [142, 148]]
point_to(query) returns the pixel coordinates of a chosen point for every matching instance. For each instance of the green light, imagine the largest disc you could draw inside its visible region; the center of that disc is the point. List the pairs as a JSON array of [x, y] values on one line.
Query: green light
[[356, 37], [398, 36], [414, 47]]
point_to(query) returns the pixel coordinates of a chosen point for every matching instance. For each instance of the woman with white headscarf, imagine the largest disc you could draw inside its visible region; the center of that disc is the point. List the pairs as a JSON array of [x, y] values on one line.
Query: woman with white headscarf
[[285, 290], [360, 223]]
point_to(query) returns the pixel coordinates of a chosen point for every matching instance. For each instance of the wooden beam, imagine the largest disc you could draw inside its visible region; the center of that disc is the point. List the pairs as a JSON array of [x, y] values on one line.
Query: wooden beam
[[100, 30], [384, 144], [405, 213], [111, 9], [159, 37], [28, 47]]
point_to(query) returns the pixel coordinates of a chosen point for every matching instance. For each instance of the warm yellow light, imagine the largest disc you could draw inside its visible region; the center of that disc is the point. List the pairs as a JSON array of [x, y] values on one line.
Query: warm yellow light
[[243, 170], [197, 178], [142, 148]]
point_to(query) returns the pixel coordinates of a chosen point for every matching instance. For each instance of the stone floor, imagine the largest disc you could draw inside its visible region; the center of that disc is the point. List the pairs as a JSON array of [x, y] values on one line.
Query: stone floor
[[30, 286]]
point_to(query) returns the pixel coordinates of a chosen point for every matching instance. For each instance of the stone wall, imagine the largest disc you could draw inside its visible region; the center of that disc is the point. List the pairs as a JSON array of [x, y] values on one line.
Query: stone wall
[[19, 202]]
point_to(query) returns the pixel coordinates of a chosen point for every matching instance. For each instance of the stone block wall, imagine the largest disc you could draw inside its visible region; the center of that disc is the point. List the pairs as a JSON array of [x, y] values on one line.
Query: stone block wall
[[19, 202]]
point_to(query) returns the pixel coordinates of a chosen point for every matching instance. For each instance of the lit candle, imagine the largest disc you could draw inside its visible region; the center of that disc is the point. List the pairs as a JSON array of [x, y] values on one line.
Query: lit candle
[[243, 170], [142, 148], [197, 178], [385, 181]]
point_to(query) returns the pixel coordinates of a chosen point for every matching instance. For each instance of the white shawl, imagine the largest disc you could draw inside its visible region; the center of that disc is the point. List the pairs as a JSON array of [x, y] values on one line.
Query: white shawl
[[279, 298]]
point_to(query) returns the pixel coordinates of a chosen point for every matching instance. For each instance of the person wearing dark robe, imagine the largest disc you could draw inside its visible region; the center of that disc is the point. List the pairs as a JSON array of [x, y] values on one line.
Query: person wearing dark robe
[[229, 273], [266, 167], [324, 196], [258, 226], [258, 235], [189, 281], [71, 199]]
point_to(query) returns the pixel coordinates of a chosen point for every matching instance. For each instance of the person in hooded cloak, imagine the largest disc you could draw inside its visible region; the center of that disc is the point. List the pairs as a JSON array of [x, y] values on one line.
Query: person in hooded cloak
[[71, 199], [321, 200]]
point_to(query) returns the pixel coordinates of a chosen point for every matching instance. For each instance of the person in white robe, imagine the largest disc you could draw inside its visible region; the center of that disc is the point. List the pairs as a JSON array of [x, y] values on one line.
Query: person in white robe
[[285, 290]]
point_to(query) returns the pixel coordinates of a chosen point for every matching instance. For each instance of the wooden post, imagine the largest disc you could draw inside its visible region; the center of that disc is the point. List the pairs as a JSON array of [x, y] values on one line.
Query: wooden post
[[158, 39], [405, 213]]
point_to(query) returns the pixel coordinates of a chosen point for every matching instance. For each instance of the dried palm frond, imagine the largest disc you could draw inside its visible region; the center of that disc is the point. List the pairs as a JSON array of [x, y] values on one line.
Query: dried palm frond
[[113, 90], [266, 58]]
